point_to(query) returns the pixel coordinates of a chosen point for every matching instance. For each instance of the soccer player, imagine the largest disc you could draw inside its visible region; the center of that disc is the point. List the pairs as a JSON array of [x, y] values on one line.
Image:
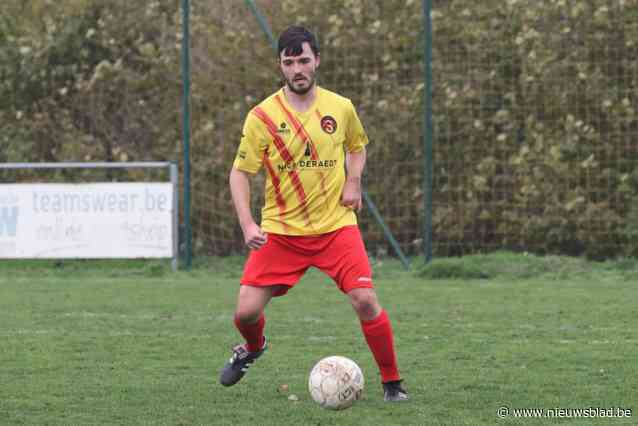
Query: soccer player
[[312, 145]]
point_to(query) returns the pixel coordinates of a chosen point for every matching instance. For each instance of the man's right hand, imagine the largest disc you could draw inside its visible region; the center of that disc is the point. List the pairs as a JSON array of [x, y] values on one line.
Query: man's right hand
[[254, 237]]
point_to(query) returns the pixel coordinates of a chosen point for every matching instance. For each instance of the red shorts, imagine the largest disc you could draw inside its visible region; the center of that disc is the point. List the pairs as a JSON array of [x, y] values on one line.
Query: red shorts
[[285, 258]]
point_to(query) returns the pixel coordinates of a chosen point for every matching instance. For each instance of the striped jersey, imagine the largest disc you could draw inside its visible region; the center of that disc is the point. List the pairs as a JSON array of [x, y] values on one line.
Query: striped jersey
[[303, 155]]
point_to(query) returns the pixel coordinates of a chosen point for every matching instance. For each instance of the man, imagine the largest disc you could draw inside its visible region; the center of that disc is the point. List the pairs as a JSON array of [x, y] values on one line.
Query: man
[[299, 135]]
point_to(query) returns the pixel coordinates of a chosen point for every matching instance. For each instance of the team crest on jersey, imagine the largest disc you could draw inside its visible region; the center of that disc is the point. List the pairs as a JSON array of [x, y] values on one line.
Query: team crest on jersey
[[328, 124]]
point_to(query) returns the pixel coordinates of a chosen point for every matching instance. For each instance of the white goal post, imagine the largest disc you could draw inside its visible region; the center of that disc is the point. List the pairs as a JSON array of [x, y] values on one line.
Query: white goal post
[[102, 220]]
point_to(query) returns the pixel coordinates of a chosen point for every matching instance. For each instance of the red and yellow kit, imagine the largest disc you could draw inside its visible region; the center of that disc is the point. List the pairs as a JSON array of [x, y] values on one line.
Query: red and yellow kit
[[303, 155]]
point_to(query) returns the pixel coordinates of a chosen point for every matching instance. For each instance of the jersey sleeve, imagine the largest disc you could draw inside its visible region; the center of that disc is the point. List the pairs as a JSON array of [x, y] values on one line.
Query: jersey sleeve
[[356, 137], [253, 144]]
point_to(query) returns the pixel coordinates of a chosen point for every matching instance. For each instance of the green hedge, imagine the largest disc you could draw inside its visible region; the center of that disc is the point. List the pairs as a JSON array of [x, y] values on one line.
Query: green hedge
[[536, 132]]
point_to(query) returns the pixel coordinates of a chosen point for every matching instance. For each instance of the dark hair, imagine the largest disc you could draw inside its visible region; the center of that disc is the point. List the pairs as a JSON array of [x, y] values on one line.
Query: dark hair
[[292, 38]]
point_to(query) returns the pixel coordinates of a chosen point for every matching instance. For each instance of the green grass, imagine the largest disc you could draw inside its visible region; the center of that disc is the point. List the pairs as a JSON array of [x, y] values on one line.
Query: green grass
[[130, 343]]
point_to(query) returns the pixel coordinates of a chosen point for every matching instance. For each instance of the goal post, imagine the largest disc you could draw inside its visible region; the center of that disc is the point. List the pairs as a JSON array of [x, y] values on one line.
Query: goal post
[[96, 220]]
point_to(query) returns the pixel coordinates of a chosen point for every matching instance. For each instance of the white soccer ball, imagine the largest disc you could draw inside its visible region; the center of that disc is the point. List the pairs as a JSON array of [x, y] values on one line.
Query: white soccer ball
[[336, 382]]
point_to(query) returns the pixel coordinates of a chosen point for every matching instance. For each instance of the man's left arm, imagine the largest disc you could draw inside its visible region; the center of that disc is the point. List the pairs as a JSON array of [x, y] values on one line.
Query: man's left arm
[[355, 163]]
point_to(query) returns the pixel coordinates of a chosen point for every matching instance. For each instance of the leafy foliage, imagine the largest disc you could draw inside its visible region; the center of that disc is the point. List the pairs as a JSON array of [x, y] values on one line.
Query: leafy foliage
[[534, 107]]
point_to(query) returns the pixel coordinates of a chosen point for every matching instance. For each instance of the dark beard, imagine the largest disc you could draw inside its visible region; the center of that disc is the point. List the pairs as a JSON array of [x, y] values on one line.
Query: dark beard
[[300, 91]]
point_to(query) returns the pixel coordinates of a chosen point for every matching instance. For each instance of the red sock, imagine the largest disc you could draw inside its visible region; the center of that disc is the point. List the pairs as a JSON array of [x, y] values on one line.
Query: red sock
[[378, 334], [253, 333]]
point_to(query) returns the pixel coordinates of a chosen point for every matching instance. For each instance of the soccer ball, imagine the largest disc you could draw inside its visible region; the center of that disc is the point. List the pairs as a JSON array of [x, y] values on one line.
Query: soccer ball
[[336, 382]]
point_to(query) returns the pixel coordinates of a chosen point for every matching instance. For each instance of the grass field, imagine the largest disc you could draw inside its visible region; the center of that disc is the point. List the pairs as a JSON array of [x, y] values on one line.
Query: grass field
[[130, 343]]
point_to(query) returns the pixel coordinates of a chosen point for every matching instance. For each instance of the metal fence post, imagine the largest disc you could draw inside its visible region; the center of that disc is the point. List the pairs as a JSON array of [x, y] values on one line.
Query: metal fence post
[[428, 133], [186, 130]]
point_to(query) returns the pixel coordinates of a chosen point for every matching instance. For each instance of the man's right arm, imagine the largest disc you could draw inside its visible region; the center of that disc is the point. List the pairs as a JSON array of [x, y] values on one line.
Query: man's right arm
[[240, 192]]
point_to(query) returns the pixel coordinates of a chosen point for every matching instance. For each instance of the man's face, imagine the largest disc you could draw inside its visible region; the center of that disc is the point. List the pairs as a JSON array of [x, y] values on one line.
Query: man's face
[[299, 71]]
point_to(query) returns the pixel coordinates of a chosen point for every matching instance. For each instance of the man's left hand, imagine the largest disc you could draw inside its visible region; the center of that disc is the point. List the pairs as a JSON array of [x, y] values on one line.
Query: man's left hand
[[351, 196]]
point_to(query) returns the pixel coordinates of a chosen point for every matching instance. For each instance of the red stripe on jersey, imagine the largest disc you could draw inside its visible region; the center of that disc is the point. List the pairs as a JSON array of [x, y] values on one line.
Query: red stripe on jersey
[[300, 129], [276, 183], [287, 157], [272, 129]]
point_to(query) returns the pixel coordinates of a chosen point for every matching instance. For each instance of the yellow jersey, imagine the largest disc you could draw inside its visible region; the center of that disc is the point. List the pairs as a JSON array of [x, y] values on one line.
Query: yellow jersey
[[304, 158]]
